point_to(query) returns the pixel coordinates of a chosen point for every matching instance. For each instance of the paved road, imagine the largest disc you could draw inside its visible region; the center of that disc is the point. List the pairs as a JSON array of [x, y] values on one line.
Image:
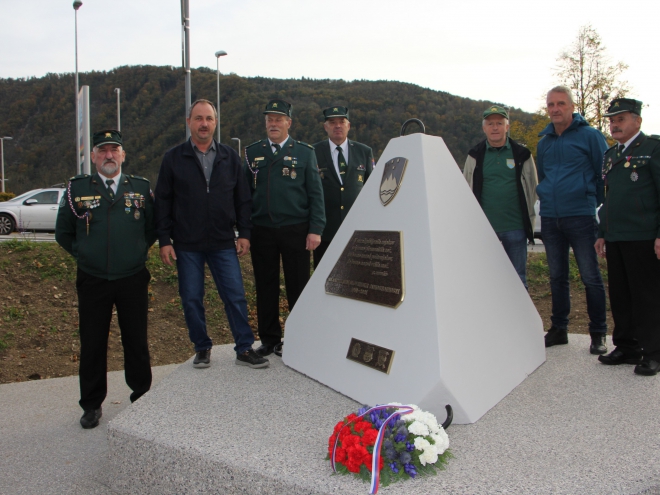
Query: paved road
[[29, 236]]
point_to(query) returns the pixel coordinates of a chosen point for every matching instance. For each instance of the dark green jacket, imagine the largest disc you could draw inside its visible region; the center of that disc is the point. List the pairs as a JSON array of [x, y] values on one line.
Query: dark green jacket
[[288, 186], [120, 230], [340, 198], [631, 211]]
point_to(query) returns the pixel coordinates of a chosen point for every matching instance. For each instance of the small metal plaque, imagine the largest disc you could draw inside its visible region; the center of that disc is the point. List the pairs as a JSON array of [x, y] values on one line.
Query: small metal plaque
[[371, 355], [392, 176], [370, 269]]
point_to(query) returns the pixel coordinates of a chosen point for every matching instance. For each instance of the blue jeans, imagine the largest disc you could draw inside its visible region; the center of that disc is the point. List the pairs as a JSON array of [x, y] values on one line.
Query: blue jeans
[[226, 272], [579, 233], [514, 243]]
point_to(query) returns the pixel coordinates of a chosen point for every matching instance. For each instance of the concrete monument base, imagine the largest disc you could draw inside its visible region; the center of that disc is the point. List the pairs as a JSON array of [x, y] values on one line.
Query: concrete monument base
[[574, 426]]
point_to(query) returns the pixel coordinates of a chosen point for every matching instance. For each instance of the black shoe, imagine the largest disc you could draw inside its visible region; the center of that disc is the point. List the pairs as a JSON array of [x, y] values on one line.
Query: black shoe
[[91, 418], [598, 343], [619, 357], [202, 359], [648, 367], [264, 350], [251, 359], [556, 336], [278, 349]]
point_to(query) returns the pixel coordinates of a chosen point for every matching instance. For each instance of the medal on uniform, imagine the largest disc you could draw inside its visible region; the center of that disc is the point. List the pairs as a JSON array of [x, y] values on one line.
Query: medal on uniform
[[127, 203], [285, 171], [634, 176], [294, 174], [627, 164], [360, 179], [253, 168], [137, 214]]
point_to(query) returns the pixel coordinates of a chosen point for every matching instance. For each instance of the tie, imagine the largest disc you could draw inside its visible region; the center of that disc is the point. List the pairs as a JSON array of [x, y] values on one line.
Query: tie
[[341, 160], [277, 148], [110, 182], [620, 149]]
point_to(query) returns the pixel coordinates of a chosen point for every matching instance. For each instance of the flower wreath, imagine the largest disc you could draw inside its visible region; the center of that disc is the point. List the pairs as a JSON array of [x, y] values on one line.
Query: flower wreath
[[410, 441]]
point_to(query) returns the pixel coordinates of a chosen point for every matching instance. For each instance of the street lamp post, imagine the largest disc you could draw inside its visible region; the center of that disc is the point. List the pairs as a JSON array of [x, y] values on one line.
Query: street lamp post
[[118, 91], [2, 154], [218, 54], [76, 5], [239, 145], [185, 53]]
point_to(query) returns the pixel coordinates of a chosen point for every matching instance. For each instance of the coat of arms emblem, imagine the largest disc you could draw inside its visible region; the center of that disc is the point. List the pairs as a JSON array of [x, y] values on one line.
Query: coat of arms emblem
[[392, 176]]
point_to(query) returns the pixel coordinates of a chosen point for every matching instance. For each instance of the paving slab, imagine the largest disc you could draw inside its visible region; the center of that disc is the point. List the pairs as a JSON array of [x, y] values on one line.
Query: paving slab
[[573, 426], [43, 449]]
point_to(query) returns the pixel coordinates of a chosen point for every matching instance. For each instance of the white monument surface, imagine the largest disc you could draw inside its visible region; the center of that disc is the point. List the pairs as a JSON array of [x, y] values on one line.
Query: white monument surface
[[466, 333]]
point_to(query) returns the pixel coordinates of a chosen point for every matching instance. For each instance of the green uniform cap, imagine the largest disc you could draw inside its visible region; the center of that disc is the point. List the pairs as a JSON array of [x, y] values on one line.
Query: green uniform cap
[[496, 110], [621, 105], [331, 112], [109, 136], [280, 107]]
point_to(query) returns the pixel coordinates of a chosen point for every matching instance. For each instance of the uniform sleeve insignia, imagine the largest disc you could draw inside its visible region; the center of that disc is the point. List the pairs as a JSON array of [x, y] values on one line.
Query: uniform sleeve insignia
[[305, 144], [256, 142]]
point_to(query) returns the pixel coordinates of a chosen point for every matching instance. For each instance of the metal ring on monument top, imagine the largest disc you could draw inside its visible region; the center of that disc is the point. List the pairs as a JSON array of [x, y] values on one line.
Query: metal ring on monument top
[[412, 121]]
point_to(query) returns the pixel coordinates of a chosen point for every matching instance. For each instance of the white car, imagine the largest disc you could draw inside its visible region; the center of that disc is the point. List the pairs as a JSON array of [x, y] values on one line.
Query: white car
[[33, 210]]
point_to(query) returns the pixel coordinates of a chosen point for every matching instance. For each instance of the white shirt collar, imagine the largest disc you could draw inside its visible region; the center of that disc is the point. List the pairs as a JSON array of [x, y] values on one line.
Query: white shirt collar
[[116, 178], [628, 143], [343, 146], [281, 144]]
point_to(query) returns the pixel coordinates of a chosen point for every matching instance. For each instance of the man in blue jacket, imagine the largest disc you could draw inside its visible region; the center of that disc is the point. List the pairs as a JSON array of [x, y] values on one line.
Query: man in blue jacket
[[570, 163], [201, 194]]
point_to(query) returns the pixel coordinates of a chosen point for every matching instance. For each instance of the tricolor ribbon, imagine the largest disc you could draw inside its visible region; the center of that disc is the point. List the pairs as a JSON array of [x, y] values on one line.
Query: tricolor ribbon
[[375, 472]]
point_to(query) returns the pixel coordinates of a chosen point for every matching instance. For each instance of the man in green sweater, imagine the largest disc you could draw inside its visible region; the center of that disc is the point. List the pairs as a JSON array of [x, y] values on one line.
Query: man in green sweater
[[344, 166], [629, 237], [106, 222]]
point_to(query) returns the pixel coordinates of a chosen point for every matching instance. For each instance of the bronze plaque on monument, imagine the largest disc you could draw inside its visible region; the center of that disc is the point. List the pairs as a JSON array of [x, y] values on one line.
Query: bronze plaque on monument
[[370, 355], [370, 269]]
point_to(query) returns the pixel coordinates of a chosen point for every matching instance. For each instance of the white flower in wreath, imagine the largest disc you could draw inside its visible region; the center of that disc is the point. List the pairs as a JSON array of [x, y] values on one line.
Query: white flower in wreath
[[441, 441], [421, 443], [418, 428], [430, 456]]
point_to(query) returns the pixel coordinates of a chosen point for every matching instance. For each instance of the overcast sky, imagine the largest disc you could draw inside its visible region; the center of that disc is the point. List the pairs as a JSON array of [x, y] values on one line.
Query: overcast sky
[[486, 50]]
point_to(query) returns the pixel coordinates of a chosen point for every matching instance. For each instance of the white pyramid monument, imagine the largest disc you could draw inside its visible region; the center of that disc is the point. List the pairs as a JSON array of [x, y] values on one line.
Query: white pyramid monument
[[466, 332]]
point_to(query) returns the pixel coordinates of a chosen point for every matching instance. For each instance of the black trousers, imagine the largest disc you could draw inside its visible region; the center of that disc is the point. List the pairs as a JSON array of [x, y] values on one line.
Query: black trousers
[[319, 252], [96, 297], [267, 245], [634, 280]]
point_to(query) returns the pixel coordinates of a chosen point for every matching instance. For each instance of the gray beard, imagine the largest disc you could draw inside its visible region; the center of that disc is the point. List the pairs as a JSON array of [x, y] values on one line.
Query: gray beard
[[109, 168]]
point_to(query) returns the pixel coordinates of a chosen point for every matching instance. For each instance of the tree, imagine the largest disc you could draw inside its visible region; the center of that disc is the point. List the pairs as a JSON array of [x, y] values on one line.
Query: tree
[[586, 69], [528, 135]]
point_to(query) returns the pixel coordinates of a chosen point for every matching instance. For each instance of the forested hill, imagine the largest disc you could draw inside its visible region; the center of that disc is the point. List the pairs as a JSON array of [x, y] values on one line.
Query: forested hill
[[39, 114]]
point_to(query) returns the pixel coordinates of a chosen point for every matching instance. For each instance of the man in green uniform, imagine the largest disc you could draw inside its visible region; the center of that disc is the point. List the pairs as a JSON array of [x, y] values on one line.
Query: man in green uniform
[[287, 216], [629, 237], [344, 166], [502, 175], [106, 222]]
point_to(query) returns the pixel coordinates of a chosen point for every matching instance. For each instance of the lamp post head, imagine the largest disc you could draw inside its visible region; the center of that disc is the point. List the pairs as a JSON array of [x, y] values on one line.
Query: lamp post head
[[220, 53], [77, 4], [117, 90], [6, 137]]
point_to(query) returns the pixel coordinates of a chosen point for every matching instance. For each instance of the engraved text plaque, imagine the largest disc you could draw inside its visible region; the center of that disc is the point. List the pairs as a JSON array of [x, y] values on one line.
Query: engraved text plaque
[[370, 269]]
